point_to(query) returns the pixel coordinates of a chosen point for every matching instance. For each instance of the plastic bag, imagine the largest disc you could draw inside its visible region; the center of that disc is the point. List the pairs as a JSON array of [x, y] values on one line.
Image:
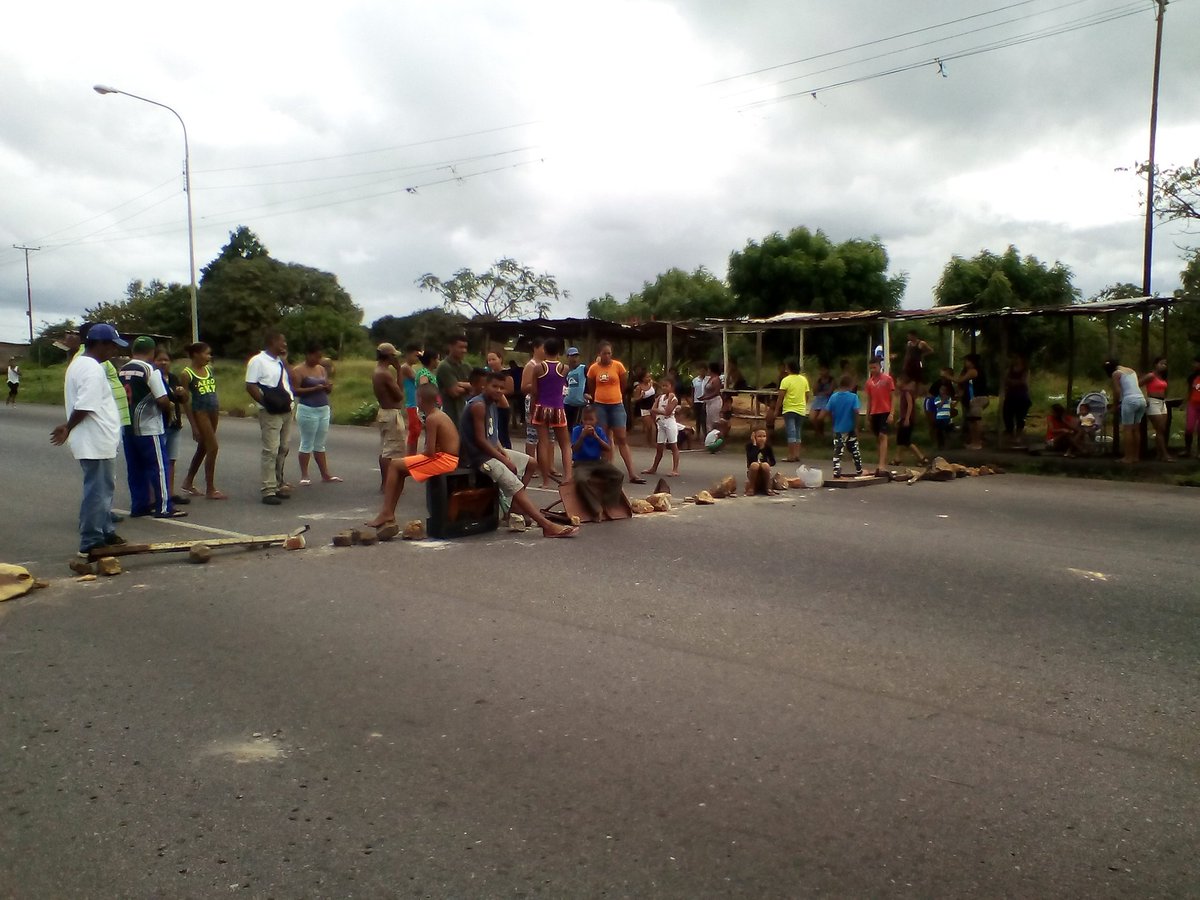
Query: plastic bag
[[812, 478]]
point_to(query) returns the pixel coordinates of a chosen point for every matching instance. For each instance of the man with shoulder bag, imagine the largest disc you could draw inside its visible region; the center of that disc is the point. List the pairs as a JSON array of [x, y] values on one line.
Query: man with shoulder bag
[[269, 384]]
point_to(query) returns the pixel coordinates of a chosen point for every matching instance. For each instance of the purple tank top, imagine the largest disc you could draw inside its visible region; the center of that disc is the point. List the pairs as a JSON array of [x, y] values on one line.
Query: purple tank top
[[550, 387]]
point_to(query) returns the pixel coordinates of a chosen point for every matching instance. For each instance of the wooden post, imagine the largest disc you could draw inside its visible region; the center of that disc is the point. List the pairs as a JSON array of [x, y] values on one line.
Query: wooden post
[[670, 343], [1003, 390], [1071, 365], [953, 332], [1164, 343], [801, 354], [1112, 335], [887, 347], [758, 353], [724, 349]]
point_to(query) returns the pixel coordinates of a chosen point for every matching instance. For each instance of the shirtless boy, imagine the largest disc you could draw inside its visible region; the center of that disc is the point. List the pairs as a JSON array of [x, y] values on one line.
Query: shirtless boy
[[439, 458], [390, 418]]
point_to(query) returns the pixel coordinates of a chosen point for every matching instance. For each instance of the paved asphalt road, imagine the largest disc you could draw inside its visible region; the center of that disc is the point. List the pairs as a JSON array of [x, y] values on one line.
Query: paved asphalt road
[[984, 688]]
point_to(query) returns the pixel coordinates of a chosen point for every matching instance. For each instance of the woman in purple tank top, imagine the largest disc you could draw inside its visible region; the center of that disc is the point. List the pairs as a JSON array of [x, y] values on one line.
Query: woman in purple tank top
[[549, 413]]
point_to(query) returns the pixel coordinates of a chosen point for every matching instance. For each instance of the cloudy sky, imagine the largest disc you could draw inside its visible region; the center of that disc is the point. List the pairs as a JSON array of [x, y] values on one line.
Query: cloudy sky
[[604, 142]]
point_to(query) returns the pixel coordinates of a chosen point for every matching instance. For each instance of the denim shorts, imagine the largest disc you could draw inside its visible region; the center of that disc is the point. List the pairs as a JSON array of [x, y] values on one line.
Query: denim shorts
[[1133, 409], [793, 422], [611, 415]]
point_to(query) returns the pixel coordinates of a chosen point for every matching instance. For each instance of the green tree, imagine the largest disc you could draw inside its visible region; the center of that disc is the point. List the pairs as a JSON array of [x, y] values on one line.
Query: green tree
[[506, 290], [1177, 190], [674, 296], [990, 281], [245, 291], [149, 307], [432, 328], [806, 271]]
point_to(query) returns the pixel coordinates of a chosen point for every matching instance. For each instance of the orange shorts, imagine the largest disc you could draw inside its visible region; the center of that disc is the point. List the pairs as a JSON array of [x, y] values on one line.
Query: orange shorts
[[422, 467]]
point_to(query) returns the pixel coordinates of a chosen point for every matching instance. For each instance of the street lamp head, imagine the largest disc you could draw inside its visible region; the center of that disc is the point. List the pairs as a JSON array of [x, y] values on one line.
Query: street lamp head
[[104, 89]]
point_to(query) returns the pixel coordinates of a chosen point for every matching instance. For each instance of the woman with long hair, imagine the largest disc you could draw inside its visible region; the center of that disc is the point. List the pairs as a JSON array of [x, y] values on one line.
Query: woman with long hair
[[1127, 397], [1154, 383]]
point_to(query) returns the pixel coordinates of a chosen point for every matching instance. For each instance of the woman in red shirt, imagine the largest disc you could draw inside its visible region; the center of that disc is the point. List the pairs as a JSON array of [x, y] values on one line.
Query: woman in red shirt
[[1154, 383]]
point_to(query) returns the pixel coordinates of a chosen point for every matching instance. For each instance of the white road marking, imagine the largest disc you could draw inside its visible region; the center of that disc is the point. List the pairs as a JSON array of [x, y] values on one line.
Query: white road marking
[[182, 524], [1090, 576]]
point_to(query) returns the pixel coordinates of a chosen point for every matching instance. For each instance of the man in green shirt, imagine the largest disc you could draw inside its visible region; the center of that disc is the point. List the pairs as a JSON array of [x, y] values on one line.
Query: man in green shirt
[[453, 379]]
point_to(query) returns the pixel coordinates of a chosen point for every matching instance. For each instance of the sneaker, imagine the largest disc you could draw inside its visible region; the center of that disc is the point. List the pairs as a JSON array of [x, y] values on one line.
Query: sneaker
[[180, 500], [272, 500], [113, 540], [282, 496]]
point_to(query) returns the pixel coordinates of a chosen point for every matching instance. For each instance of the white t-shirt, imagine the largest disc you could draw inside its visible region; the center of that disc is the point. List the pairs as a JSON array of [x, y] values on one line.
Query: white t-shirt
[[698, 387], [14, 375], [87, 388], [712, 437], [266, 370]]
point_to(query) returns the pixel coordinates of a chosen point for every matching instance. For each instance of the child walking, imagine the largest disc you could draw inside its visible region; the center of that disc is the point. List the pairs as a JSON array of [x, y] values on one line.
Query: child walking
[[666, 427], [843, 410]]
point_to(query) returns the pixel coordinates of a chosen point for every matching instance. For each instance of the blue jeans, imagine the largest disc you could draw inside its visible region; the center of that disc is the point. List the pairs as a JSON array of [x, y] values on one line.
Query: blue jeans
[[95, 511]]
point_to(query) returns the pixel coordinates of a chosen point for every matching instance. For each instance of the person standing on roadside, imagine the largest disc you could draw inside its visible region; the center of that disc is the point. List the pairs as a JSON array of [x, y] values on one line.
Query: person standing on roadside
[[794, 397], [606, 386], [880, 408], [390, 397], [312, 384], [408, 378], [172, 419], [204, 414], [270, 386], [144, 438], [1192, 422], [93, 430], [14, 382], [453, 378], [574, 402], [1154, 383], [1128, 398]]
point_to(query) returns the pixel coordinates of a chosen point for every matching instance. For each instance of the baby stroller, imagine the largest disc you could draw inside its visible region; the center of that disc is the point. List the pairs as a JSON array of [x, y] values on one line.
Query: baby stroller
[[1093, 420]]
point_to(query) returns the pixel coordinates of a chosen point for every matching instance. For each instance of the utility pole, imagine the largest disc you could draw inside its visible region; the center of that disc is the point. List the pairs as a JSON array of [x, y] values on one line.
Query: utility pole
[[1148, 249], [28, 287]]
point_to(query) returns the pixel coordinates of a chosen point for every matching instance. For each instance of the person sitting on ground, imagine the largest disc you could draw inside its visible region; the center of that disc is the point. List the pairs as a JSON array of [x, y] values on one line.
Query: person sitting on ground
[[843, 409], [908, 415], [1063, 432], [597, 481], [509, 469], [440, 456], [715, 439], [760, 460], [666, 428]]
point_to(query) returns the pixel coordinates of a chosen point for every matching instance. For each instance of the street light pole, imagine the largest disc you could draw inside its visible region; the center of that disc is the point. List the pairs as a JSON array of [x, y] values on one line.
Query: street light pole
[[187, 189]]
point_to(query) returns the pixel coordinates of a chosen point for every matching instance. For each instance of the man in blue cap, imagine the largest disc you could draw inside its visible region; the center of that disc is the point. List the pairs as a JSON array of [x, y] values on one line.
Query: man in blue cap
[[93, 429], [576, 387]]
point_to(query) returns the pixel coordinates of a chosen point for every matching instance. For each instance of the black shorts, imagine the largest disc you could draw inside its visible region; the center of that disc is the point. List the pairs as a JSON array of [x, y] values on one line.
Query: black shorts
[[13, 386], [904, 435], [879, 424]]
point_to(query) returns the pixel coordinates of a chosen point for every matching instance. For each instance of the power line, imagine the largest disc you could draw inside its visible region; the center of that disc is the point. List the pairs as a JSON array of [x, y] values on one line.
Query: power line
[[939, 61]]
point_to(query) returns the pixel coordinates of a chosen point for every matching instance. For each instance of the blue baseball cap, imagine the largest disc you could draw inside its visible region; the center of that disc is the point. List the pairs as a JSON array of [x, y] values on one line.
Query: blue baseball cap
[[572, 351], [102, 331]]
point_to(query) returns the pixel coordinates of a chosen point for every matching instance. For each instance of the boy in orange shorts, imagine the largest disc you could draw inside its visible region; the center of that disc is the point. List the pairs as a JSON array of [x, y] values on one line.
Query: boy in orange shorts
[[440, 456]]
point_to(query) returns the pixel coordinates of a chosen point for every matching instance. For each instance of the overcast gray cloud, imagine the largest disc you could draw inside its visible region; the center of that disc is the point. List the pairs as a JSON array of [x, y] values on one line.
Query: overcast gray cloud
[[607, 153]]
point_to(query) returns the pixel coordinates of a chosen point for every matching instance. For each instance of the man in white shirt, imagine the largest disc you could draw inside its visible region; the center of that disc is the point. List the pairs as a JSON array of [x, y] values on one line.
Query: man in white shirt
[[698, 384], [93, 430], [269, 384]]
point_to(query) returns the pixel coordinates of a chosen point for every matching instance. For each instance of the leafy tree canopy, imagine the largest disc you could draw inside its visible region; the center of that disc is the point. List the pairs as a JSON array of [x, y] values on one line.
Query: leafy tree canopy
[[506, 290], [245, 290], [806, 271], [675, 295], [150, 307], [432, 328], [990, 281], [1177, 190]]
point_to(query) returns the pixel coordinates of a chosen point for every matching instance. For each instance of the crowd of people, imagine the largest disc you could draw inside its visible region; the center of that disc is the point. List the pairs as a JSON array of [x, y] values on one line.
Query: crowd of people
[[574, 415]]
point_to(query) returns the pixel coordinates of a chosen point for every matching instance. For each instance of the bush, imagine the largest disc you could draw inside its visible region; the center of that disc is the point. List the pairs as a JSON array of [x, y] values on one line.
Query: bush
[[365, 414]]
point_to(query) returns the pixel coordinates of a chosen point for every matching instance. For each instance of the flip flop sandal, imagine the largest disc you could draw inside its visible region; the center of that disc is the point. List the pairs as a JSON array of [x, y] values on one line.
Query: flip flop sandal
[[216, 495], [304, 481], [191, 490], [173, 514], [332, 479], [568, 532], [637, 480]]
